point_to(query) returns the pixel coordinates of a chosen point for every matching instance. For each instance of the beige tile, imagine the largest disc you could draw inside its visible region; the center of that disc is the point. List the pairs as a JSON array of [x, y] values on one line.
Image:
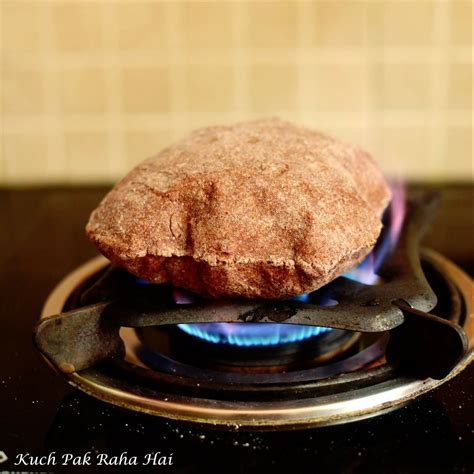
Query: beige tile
[[458, 156], [141, 25], [146, 90], [210, 88], [22, 90], [21, 25], [207, 25], [78, 25], [357, 135], [461, 22], [406, 152], [273, 88], [82, 90], [460, 86], [144, 144], [86, 156], [340, 23], [340, 86], [273, 24], [398, 86], [402, 23], [24, 157]]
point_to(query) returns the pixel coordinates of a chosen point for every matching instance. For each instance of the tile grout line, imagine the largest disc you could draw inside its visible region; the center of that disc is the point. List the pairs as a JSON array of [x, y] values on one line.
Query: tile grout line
[[373, 79], [313, 55], [240, 59], [305, 93], [112, 77], [177, 74], [440, 81], [407, 117], [56, 148]]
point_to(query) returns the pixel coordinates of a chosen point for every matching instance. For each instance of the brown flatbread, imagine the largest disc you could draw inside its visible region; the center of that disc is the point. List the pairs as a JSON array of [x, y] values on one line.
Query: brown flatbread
[[257, 209]]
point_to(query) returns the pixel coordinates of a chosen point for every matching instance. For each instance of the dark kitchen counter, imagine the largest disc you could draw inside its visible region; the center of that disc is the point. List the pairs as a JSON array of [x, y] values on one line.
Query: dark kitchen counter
[[42, 239]]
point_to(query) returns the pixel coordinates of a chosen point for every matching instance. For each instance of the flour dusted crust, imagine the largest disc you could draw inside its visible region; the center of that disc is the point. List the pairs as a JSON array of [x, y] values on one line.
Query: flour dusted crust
[[261, 209]]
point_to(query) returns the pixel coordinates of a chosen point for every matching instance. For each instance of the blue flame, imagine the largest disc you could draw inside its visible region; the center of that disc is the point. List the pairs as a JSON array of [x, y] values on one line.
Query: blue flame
[[252, 334], [142, 281], [248, 334], [366, 271], [303, 298]]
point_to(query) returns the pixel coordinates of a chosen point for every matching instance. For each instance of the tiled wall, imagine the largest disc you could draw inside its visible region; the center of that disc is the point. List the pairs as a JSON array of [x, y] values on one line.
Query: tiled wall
[[91, 88]]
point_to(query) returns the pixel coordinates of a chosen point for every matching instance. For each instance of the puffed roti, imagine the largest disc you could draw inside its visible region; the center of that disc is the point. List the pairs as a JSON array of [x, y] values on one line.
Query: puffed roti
[[261, 209]]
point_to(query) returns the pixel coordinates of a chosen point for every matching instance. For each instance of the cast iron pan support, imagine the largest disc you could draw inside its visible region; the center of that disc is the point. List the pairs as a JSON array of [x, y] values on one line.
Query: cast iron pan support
[[420, 344], [425, 345]]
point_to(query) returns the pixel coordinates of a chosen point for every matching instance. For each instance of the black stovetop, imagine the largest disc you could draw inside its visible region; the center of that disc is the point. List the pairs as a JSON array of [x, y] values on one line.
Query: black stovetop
[[42, 239]]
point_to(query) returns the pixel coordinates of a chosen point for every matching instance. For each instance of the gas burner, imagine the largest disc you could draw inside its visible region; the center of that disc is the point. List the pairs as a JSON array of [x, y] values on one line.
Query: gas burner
[[252, 334], [374, 350], [184, 348]]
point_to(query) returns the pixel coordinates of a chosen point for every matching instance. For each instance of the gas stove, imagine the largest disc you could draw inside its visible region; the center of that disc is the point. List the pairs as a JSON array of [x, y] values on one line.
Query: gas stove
[[355, 367], [365, 344]]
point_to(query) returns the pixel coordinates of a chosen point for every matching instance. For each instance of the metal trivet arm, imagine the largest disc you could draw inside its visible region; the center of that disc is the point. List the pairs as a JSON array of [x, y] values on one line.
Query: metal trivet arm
[[420, 343]]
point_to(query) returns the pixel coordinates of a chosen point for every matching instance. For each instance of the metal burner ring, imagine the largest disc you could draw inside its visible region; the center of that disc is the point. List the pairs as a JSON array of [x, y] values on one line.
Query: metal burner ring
[[294, 413]]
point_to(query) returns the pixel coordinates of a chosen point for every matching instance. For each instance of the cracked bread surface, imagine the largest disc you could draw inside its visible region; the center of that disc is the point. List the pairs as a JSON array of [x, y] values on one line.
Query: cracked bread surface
[[261, 209]]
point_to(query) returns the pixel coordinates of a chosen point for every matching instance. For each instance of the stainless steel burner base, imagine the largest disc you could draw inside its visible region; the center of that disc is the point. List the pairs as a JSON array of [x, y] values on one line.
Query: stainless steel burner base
[[255, 415]]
